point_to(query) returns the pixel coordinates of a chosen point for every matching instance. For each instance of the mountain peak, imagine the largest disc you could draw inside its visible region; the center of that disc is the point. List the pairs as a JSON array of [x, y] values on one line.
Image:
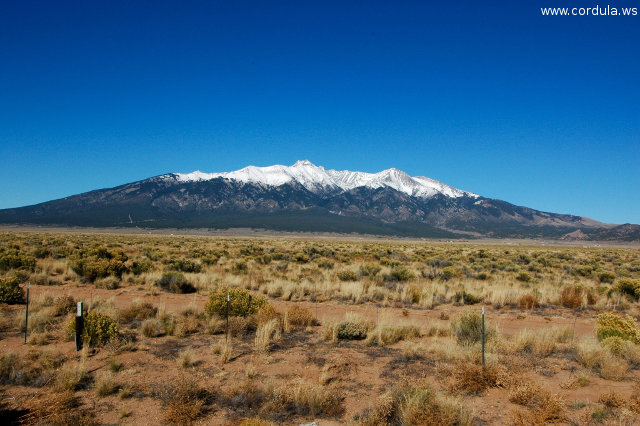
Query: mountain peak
[[389, 202], [317, 178]]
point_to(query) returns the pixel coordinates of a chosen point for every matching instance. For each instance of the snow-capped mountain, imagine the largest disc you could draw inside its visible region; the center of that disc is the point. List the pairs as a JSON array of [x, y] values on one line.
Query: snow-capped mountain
[[317, 178], [306, 197]]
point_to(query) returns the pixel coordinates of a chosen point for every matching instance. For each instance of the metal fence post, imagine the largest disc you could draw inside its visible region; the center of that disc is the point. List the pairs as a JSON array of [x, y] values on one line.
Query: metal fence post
[[26, 315], [483, 336], [227, 338], [79, 327]]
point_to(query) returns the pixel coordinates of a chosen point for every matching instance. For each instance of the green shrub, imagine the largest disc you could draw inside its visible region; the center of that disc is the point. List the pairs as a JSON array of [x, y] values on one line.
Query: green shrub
[[607, 277], [583, 271], [325, 264], [98, 328], [628, 287], [610, 324], [347, 275], [99, 263], [241, 303], [239, 268], [41, 252], [388, 262], [140, 266], [401, 273], [615, 344], [210, 260], [467, 328], [13, 258], [10, 291], [175, 282], [351, 330], [449, 272], [369, 270], [184, 265], [466, 298], [524, 277]]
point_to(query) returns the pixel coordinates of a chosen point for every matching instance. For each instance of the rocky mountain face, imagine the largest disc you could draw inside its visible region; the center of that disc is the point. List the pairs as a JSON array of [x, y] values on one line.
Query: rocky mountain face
[[305, 197]]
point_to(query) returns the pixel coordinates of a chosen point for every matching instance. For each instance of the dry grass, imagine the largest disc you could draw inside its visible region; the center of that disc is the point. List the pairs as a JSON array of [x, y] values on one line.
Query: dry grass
[[303, 270], [475, 379], [113, 364], [551, 410], [408, 404], [543, 406], [257, 422], [186, 325], [60, 409], [138, 311], [413, 351], [541, 342], [297, 316], [186, 358], [571, 297], [152, 327], [266, 333], [524, 392], [400, 278], [295, 396], [315, 399], [216, 325], [238, 326], [528, 301], [467, 327], [592, 355], [248, 394], [70, 377], [223, 350], [388, 335], [612, 399], [612, 368], [63, 305], [447, 350], [183, 401], [11, 369], [581, 380], [437, 329], [251, 371], [105, 385]]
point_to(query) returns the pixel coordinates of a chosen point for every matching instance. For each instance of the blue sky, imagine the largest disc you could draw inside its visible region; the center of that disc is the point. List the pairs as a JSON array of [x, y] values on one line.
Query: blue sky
[[490, 97]]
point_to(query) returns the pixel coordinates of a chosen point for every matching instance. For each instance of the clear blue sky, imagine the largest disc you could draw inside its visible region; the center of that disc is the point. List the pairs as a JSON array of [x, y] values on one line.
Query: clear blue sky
[[490, 97]]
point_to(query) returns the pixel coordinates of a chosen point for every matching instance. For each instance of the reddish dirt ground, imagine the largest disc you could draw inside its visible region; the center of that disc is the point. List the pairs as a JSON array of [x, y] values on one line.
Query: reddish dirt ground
[[362, 373]]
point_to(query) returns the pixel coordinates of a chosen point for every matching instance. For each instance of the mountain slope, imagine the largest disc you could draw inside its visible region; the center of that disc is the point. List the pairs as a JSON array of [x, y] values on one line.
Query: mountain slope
[[305, 197]]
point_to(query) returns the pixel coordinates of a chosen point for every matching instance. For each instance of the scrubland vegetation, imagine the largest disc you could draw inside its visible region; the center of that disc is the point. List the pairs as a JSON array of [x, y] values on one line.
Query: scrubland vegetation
[[362, 332]]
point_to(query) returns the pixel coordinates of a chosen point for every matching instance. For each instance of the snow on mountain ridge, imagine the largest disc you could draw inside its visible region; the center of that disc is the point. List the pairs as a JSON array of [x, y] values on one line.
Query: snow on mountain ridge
[[316, 178]]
